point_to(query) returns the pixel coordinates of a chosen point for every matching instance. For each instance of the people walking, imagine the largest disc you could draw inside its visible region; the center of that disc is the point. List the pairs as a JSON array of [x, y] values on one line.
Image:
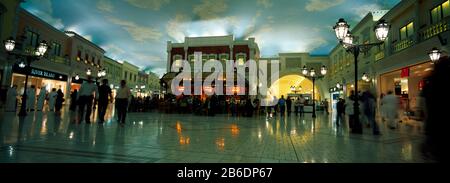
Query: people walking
[[31, 98], [11, 99], [59, 100], [85, 99], [282, 105], [122, 100], [105, 96], [52, 100], [289, 105], [325, 106], [41, 99], [369, 111], [349, 110], [302, 105], [391, 105], [340, 110]]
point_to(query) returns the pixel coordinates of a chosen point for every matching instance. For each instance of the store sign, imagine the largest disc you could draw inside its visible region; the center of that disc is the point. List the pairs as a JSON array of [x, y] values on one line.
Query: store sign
[[41, 73], [405, 73]]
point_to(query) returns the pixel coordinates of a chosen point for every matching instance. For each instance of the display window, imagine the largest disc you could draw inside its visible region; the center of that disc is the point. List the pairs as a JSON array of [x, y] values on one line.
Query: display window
[[38, 82], [407, 83]]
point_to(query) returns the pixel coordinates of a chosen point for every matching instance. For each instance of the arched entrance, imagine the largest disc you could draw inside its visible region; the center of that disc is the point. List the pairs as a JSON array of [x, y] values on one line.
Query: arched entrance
[[299, 84]]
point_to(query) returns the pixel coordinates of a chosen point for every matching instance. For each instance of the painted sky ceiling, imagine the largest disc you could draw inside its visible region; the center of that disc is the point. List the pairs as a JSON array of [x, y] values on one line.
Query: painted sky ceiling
[[137, 30]]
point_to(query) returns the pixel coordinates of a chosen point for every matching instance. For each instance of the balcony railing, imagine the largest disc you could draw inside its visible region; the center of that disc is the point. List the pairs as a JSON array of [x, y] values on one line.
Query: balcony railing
[[379, 55], [403, 44], [435, 29], [59, 60]]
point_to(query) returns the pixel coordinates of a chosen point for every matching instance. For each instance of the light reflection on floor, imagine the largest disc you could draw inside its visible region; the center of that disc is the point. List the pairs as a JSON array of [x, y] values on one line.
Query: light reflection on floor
[[157, 137]]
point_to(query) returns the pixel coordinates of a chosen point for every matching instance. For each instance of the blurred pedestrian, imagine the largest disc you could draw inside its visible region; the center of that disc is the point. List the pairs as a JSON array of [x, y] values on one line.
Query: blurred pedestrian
[[59, 100], [391, 106], [122, 100], [11, 99], [41, 99]]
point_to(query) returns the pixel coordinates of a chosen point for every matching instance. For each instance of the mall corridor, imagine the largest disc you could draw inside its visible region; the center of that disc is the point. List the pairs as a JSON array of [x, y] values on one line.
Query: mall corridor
[[175, 138]]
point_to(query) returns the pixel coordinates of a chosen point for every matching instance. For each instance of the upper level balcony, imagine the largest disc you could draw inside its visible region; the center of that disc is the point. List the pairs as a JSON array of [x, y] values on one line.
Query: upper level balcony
[[432, 30], [403, 44]]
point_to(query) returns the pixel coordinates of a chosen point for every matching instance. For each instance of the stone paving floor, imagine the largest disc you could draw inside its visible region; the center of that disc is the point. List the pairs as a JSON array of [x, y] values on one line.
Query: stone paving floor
[[44, 137]]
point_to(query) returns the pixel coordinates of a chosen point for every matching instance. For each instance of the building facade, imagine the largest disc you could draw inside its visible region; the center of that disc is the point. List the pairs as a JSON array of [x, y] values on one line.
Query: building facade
[[401, 64], [8, 24], [84, 55], [222, 48], [113, 72], [53, 69], [130, 75]]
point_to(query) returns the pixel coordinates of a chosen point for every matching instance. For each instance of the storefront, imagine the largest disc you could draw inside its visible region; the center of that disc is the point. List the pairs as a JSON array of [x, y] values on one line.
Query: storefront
[[39, 78], [407, 83], [335, 94]]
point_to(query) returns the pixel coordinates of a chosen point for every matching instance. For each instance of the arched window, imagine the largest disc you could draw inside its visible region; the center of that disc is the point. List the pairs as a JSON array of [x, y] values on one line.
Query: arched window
[[177, 60], [241, 58]]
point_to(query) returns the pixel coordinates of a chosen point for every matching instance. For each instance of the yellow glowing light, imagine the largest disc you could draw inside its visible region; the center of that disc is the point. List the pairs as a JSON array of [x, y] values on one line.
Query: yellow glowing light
[[178, 127], [184, 140], [220, 144], [234, 130]]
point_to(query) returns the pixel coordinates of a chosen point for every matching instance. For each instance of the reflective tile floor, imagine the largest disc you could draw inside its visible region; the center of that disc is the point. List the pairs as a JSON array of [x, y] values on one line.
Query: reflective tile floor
[[176, 138]]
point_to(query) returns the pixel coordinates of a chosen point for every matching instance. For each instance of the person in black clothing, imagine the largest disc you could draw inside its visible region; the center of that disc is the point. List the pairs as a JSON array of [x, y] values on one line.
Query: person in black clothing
[[73, 100], [59, 100], [289, 105], [104, 92], [340, 108], [435, 93]]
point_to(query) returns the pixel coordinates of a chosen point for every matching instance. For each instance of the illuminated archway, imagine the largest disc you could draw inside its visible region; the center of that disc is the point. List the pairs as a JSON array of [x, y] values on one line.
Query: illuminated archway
[[283, 86]]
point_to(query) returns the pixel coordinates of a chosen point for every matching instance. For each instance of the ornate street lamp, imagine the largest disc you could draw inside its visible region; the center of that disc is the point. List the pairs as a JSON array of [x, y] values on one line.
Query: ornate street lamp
[[435, 55], [77, 77], [365, 77], [338, 85], [381, 30], [88, 72], [10, 44], [313, 76], [341, 28], [36, 55]]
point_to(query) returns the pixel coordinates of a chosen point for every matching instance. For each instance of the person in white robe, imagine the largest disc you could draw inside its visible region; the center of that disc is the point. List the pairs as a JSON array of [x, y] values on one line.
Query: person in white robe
[[391, 106], [52, 100], [41, 99], [11, 99]]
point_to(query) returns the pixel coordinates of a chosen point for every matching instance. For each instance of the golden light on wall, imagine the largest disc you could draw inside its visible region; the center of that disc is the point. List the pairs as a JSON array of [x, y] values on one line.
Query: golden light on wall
[[283, 86]]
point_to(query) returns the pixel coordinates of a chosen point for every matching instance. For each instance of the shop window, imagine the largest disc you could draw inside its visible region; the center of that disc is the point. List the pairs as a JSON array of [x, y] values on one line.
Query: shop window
[[440, 12], [224, 57], [407, 31], [56, 49], [177, 60], [204, 58], [86, 58], [79, 55], [240, 59], [191, 58], [212, 57]]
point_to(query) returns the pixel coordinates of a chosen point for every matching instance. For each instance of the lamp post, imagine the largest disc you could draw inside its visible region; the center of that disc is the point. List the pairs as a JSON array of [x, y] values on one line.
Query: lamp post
[[35, 55], [435, 54], [346, 39], [88, 72], [311, 74]]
